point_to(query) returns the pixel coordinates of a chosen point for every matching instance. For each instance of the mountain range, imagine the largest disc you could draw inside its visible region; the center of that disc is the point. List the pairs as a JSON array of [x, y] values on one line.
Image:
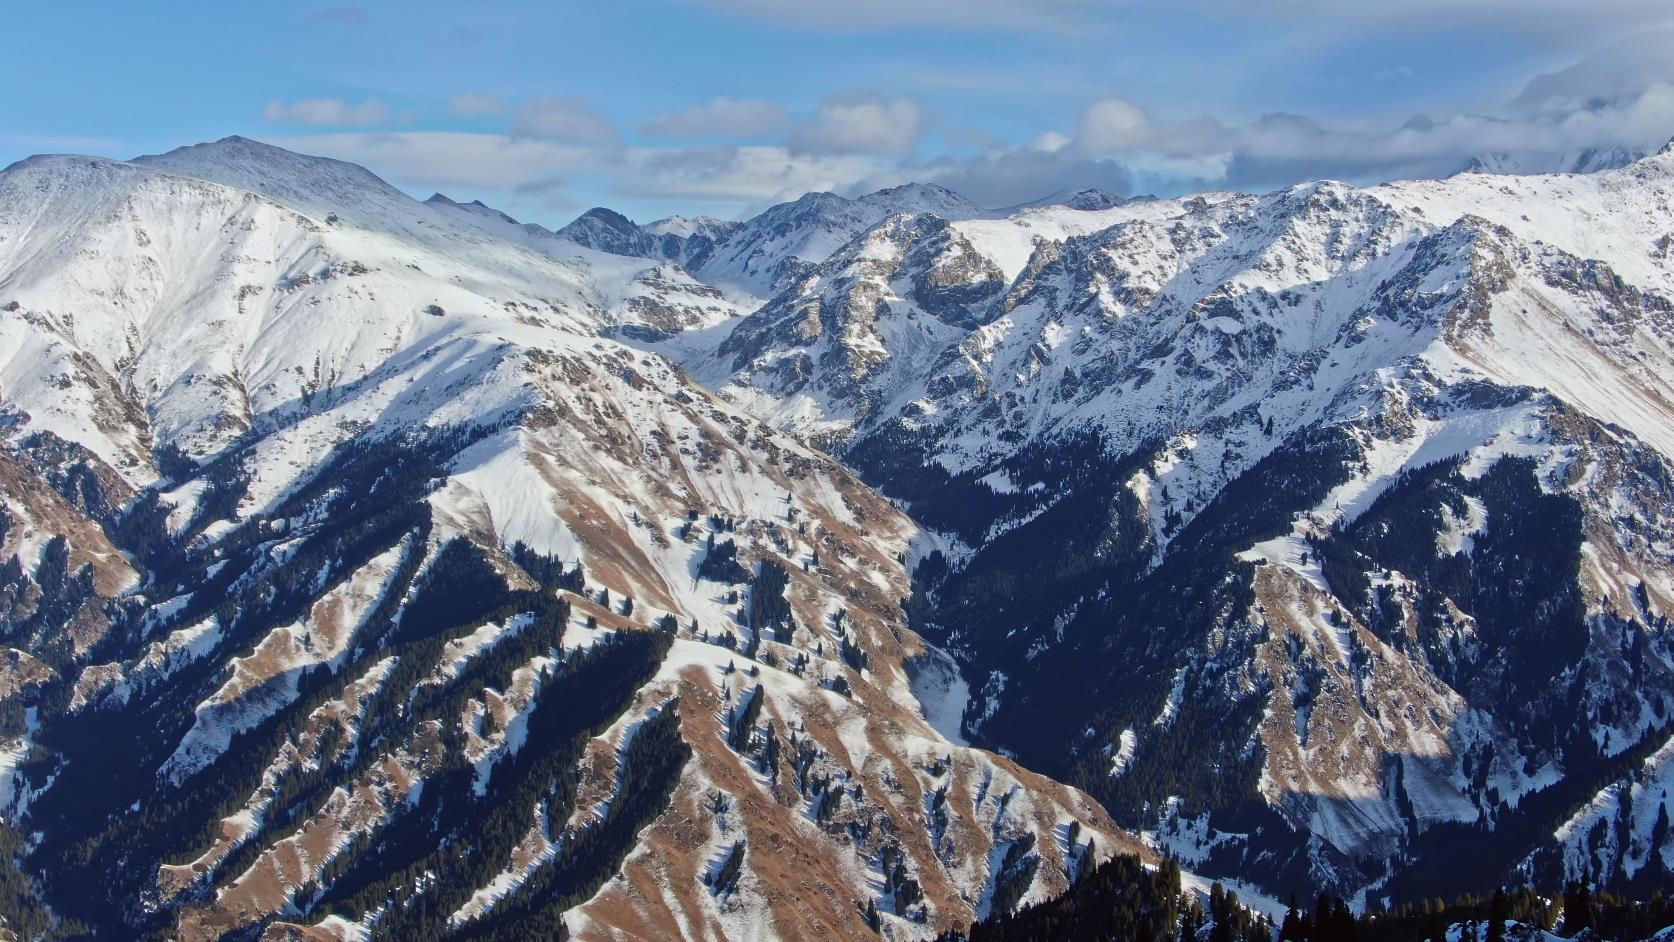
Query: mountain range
[[870, 566]]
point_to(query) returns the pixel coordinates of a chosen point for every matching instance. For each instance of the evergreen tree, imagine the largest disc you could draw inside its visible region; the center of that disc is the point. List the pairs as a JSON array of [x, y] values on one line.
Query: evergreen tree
[[1659, 834], [1192, 919], [1292, 930], [1498, 912], [1220, 913], [1578, 907]]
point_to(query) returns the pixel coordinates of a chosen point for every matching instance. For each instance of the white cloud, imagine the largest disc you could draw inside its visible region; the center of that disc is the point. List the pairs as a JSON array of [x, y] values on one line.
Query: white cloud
[[722, 117], [564, 119], [1622, 97], [862, 123], [1051, 141], [1598, 106], [471, 105], [326, 112], [1112, 124], [722, 174], [449, 158], [1623, 68], [751, 176]]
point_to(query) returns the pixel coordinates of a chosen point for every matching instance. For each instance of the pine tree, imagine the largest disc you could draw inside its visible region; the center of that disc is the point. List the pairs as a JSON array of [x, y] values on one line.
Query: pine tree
[[1220, 913], [1499, 910], [1291, 930], [1191, 919], [1323, 925], [1659, 831], [1578, 907], [1342, 921]]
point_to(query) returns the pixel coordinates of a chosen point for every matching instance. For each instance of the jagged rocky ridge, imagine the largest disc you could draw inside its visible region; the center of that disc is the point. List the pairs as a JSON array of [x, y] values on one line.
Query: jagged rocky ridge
[[358, 582], [1324, 535]]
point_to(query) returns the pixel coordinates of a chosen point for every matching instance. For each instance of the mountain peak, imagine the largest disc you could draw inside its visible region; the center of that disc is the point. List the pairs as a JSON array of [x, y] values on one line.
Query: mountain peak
[[1088, 198], [475, 212], [607, 230], [232, 147], [922, 198], [318, 186], [607, 216]]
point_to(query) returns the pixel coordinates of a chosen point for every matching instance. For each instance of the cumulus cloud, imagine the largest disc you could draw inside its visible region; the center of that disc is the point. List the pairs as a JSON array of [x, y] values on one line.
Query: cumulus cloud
[[564, 119], [862, 123], [722, 117], [326, 112], [1113, 124], [1621, 98], [753, 176], [1564, 113], [470, 105], [721, 174]]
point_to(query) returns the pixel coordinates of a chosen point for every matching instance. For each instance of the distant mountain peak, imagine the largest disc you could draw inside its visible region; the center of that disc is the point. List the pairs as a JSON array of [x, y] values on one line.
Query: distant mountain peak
[[1089, 198], [1586, 160], [923, 198], [608, 216]]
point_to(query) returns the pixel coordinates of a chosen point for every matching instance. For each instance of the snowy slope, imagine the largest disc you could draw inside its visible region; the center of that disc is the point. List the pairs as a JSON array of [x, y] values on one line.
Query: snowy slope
[[272, 406], [1323, 336], [1270, 476]]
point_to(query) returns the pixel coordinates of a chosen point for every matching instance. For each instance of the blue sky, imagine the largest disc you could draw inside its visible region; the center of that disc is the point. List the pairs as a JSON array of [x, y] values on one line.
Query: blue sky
[[723, 106]]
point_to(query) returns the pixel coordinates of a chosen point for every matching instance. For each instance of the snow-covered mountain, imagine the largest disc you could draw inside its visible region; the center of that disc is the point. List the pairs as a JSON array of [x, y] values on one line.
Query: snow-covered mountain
[[399, 567], [689, 242], [1586, 160], [1084, 198], [359, 581], [1267, 472]]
